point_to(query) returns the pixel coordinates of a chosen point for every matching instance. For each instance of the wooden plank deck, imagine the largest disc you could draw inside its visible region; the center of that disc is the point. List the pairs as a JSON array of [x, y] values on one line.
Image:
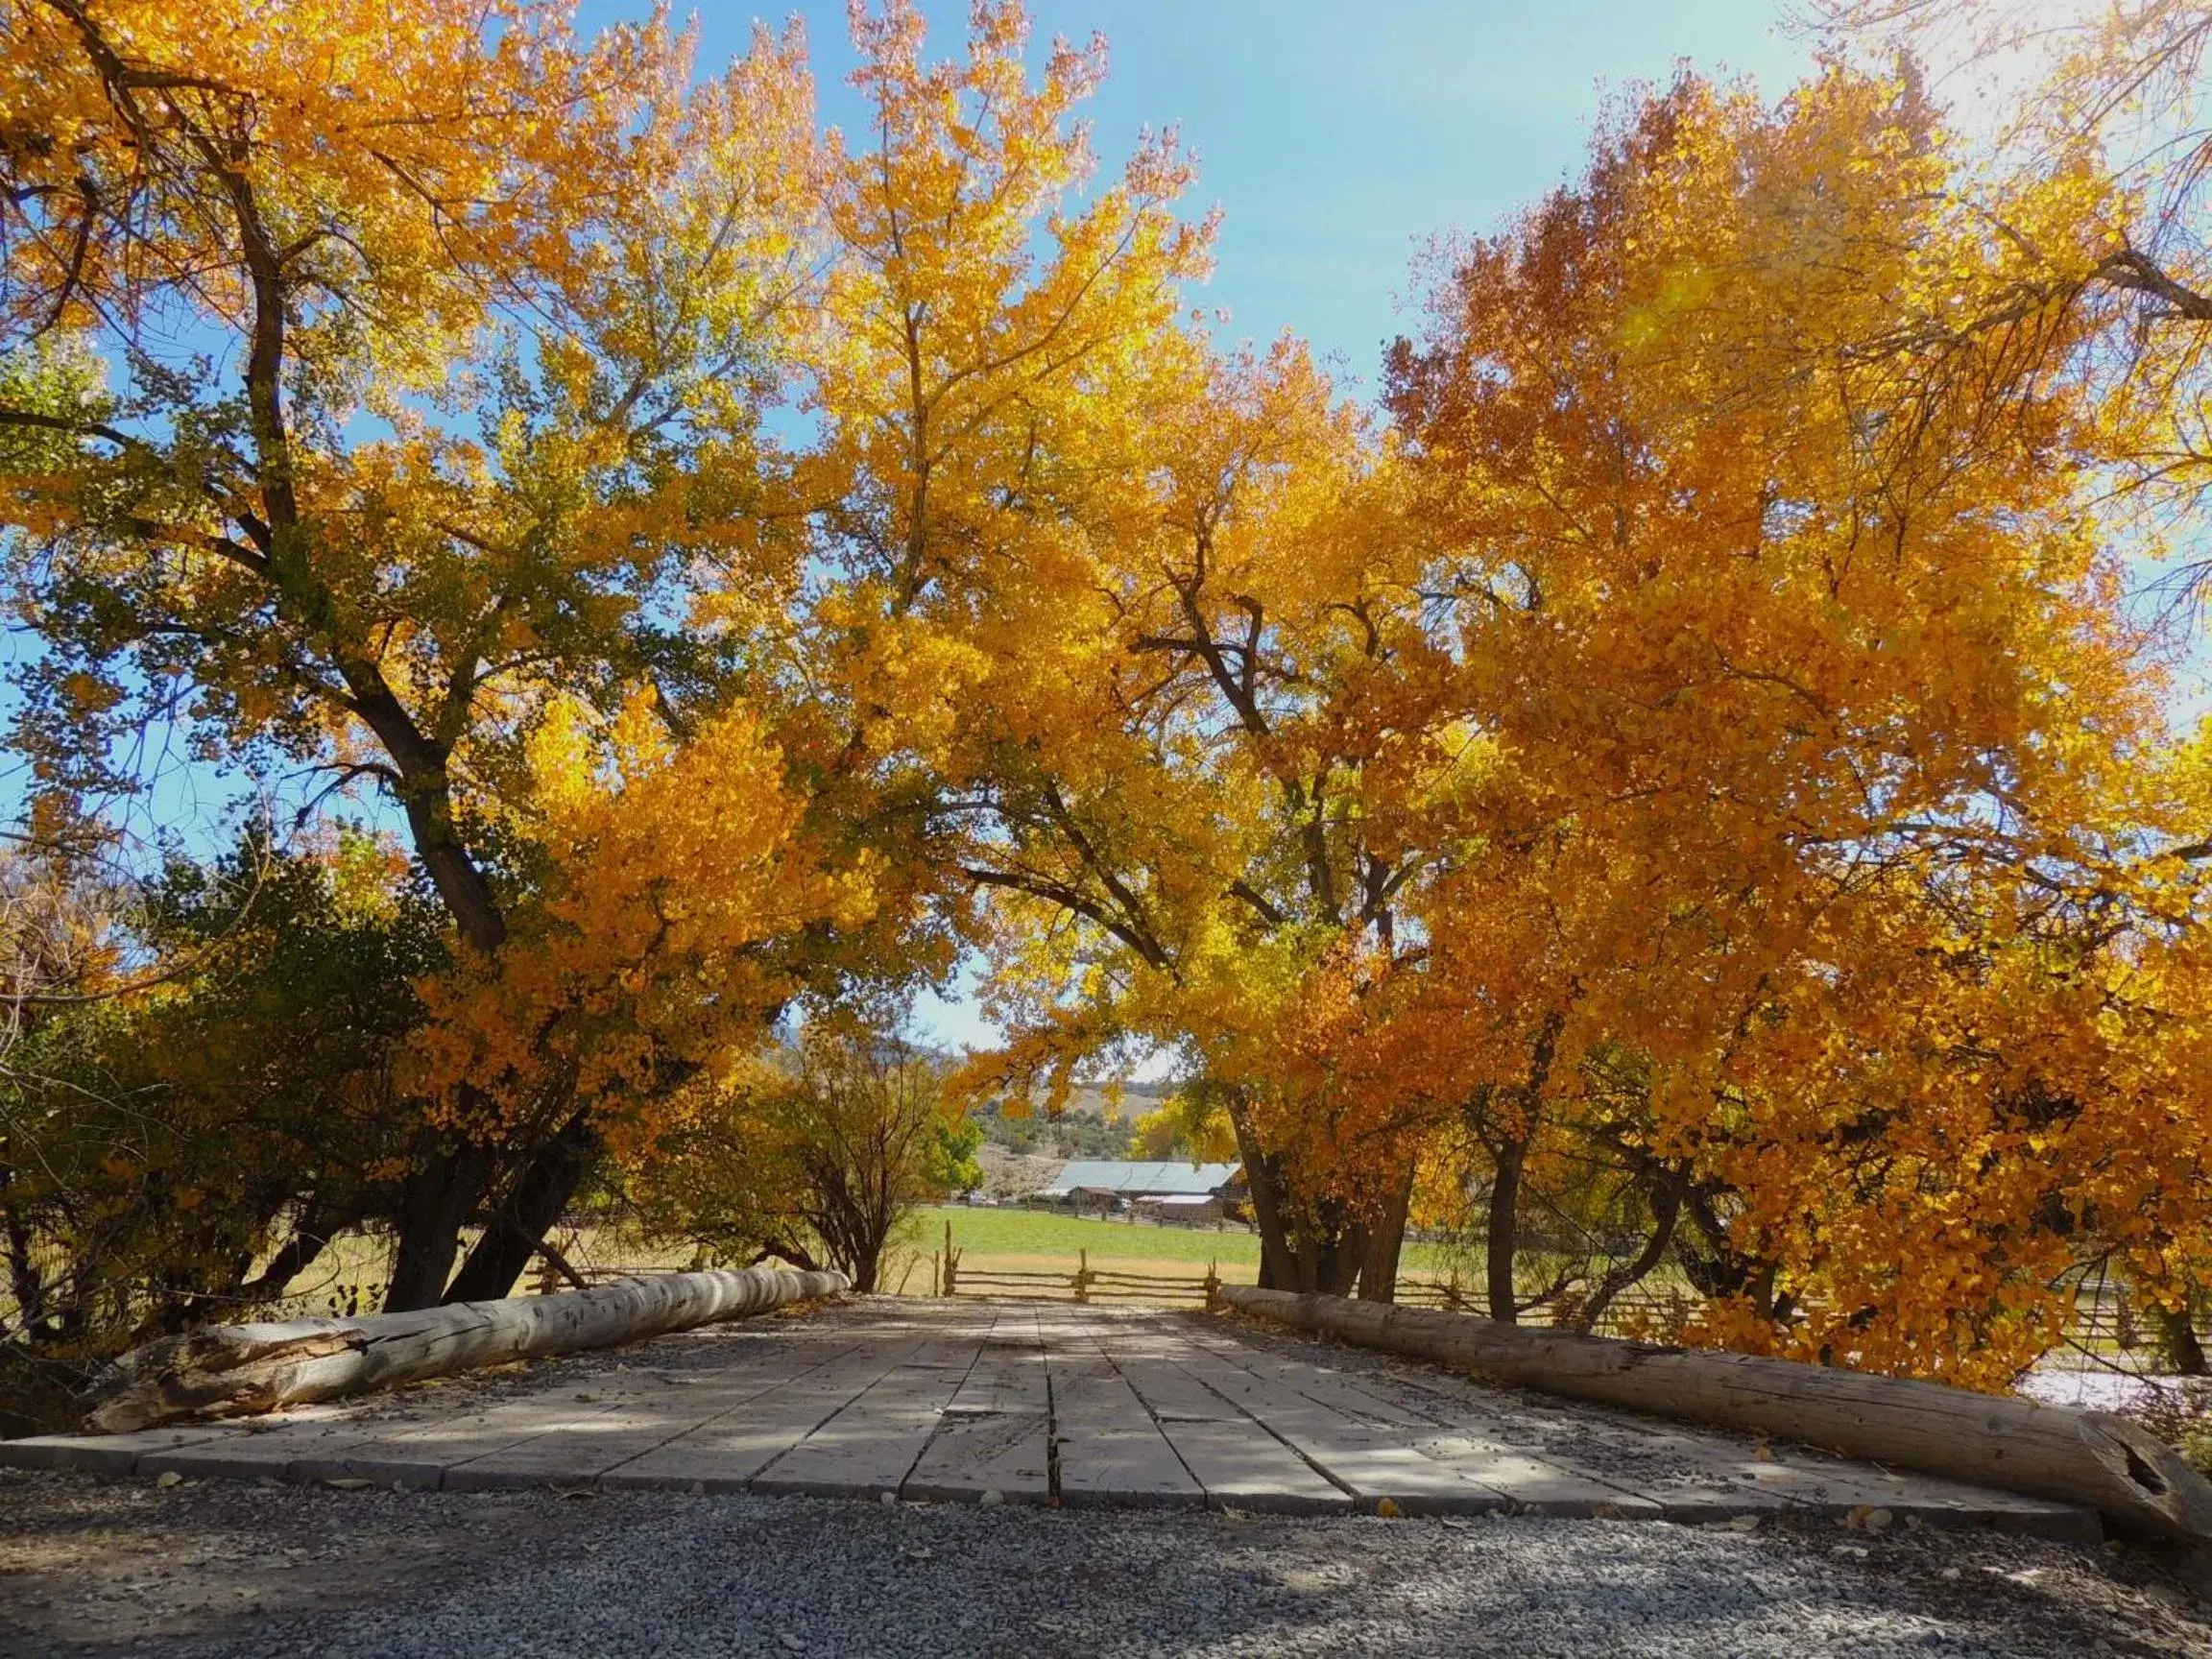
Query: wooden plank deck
[[974, 1399]]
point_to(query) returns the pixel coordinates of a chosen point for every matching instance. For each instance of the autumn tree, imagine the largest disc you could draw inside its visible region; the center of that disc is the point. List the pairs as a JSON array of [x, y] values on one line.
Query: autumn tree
[[816, 1152], [1790, 674], [377, 379], [1144, 607], [194, 1111], [2047, 90]]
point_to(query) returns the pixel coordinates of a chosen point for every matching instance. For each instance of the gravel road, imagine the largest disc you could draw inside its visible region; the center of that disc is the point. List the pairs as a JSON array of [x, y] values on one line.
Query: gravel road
[[91, 1566]]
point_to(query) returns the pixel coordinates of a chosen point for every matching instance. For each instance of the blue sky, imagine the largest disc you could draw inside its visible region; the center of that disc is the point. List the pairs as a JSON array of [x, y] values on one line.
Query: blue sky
[[1338, 136]]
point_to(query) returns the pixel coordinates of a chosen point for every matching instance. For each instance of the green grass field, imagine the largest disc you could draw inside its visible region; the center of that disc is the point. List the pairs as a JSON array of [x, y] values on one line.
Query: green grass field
[[1039, 1236]]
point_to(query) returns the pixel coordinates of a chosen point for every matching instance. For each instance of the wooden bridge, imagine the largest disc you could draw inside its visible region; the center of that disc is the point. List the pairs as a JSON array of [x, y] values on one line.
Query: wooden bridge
[[970, 1401]]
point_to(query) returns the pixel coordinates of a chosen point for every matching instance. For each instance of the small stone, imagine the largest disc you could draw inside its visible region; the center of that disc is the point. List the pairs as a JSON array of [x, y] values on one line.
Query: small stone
[[1950, 1573], [791, 1644], [888, 1498], [698, 1488], [348, 1484], [1742, 1524], [992, 1499], [1880, 1520], [168, 1477]]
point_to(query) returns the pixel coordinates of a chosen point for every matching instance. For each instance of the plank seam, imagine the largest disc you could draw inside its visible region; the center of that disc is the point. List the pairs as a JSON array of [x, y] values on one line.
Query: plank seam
[[1151, 1412], [930, 1439]]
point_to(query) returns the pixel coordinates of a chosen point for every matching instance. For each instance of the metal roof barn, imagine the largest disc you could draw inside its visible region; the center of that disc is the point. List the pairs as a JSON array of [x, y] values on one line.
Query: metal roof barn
[[1150, 1180]]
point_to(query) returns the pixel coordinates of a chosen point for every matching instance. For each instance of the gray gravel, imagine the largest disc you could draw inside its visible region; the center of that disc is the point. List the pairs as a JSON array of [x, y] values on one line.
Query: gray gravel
[[223, 1569]]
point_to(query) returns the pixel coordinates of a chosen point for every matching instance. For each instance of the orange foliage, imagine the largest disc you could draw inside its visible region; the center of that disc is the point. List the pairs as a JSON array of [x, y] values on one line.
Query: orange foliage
[[1681, 773]]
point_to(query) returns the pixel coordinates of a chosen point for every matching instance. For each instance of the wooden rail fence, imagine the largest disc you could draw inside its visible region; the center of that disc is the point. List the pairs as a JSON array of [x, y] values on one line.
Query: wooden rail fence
[[1086, 1284], [2107, 1324]]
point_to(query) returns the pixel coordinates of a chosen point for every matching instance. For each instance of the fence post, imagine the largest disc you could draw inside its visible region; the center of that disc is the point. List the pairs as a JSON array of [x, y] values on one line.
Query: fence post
[[951, 1263], [1083, 1276], [1213, 1285]]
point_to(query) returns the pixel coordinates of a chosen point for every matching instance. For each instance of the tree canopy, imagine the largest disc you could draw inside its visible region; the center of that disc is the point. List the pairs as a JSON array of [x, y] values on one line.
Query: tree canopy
[[1680, 784]]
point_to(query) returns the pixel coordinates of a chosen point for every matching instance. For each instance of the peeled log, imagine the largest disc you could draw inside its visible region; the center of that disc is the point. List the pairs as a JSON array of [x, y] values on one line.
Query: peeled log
[[2086, 1457], [232, 1370]]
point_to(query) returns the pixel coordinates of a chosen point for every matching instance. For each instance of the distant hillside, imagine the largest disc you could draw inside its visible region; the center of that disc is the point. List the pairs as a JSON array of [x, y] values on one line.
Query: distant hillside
[[1088, 1126]]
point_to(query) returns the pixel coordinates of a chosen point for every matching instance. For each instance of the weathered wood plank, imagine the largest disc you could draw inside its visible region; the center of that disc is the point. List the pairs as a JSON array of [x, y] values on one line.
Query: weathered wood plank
[[995, 1436], [2015, 1444], [1374, 1464], [1323, 1386], [872, 1445], [723, 1453], [102, 1454], [616, 1426], [1171, 1392], [1108, 1447], [1009, 1374], [1235, 1460], [1242, 1466], [1536, 1485], [973, 1454]]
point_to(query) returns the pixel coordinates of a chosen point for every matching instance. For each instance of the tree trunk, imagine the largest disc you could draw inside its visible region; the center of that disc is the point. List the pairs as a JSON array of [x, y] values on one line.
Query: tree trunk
[[2016, 1445], [1501, 1236], [23, 1275], [1385, 1243], [1330, 1257], [1264, 1181], [309, 1239], [2177, 1340], [435, 1201], [1306, 1244], [1665, 1207], [539, 1199], [231, 1370]]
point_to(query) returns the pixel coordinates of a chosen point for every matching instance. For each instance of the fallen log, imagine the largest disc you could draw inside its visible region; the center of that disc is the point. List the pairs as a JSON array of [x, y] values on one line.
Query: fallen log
[[2086, 1457], [234, 1370]]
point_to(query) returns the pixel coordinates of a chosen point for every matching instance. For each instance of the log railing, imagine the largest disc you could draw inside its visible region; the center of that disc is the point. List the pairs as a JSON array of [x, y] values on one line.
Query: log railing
[[232, 1370]]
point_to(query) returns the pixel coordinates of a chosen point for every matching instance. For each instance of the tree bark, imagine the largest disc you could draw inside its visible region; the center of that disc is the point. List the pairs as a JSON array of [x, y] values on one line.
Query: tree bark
[[2016, 1445], [2177, 1340], [1385, 1243], [436, 1199], [1277, 1271], [537, 1200], [308, 1240], [1502, 1234], [232, 1370], [23, 1275], [1304, 1245]]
